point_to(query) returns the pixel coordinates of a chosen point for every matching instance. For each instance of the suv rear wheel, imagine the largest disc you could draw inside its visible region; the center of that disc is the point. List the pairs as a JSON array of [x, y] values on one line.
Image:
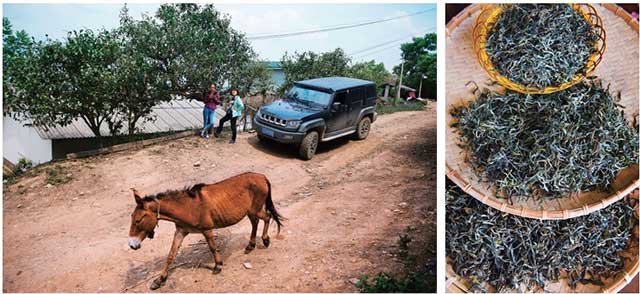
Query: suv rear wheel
[[362, 131], [309, 145]]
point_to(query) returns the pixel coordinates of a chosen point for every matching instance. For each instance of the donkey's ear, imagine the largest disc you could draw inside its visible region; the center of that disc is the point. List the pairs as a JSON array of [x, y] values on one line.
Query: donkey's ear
[[136, 196]]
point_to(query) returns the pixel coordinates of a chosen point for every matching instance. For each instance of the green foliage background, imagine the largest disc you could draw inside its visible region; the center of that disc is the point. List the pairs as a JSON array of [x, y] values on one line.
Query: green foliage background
[[115, 77], [420, 58]]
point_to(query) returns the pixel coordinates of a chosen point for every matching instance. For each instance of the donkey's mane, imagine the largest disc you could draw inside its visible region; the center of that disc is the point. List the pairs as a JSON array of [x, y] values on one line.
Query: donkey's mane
[[192, 192]]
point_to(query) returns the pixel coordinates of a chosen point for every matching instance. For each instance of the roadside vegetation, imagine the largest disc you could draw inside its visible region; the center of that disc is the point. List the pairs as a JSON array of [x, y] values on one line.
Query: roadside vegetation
[[408, 106], [417, 278], [21, 168]]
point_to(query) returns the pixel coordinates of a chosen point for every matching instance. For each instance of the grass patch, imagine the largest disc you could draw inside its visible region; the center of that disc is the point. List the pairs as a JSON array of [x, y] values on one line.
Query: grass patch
[[408, 106], [21, 168], [156, 151], [418, 280], [384, 283], [57, 176]]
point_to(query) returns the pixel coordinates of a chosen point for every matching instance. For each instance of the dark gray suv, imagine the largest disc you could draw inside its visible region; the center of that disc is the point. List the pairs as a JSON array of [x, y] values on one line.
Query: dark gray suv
[[318, 110]]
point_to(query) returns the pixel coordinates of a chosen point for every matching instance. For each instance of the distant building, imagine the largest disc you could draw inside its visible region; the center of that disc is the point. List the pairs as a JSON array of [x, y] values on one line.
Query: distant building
[[277, 74], [20, 141], [42, 144], [390, 88]]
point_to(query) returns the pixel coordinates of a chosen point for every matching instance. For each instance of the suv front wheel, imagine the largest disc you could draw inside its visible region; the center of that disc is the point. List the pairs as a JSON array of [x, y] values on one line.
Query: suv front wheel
[[309, 145], [362, 131]]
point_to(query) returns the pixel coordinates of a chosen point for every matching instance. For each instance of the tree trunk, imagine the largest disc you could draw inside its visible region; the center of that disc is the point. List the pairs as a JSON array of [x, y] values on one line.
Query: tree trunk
[[94, 125]]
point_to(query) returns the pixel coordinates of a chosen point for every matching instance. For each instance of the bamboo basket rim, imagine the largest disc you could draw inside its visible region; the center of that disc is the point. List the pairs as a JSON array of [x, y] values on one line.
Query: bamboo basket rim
[[453, 282], [543, 214], [485, 22]]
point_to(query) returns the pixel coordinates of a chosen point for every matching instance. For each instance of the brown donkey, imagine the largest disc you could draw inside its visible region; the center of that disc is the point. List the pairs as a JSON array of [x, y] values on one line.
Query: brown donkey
[[203, 208]]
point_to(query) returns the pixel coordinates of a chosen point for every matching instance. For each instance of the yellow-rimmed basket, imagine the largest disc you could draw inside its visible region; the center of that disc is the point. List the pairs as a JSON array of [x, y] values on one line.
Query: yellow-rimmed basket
[[487, 19]]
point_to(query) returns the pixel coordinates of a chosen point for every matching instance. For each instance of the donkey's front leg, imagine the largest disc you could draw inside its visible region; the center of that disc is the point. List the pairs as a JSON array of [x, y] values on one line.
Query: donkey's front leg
[[210, 236], [175, 246]]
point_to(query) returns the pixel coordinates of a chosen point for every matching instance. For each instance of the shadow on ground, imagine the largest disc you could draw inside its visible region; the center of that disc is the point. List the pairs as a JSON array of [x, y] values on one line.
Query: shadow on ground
[[290, 151], [197, 255]]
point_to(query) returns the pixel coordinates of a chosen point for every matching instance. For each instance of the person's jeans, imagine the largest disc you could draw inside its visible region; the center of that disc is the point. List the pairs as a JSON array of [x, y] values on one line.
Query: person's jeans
[[208, 117], [228, 117]]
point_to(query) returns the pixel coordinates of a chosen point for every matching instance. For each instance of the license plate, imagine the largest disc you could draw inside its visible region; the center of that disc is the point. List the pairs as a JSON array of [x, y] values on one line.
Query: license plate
[[268, 132]]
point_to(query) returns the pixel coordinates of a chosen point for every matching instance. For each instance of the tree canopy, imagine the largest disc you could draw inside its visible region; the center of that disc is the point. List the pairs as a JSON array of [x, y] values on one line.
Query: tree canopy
[[420, 59], [194, 46], [115, 77], [308, 65], [369, 70]]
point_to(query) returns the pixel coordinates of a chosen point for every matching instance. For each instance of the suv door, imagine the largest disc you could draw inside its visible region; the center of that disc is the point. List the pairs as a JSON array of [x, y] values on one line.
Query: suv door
[[355, 98], [338, 113]]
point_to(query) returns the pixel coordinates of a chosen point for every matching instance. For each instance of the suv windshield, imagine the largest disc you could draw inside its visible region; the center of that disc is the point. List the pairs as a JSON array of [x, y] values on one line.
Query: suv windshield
[[309, 95]]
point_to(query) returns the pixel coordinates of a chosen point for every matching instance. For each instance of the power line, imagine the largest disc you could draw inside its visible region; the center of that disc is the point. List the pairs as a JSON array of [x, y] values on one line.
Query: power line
[[333, 28], [378, 51], [388, 42]]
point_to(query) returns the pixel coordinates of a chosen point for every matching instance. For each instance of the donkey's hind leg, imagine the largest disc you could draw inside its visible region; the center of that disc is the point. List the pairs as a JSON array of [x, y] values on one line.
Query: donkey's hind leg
[[266, 217], [254, 231], [175, 246]]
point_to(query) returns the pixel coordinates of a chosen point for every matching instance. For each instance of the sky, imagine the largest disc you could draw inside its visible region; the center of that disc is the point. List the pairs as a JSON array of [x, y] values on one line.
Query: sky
[[55, 20]]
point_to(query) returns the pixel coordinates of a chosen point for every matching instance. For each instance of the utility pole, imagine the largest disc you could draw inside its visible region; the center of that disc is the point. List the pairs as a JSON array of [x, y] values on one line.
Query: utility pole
[[395, 102], [424, 77]]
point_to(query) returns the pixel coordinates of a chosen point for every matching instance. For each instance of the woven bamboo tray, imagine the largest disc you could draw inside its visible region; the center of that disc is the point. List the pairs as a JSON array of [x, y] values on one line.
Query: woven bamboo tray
[[485, 22], [457, 284], [619, 67]]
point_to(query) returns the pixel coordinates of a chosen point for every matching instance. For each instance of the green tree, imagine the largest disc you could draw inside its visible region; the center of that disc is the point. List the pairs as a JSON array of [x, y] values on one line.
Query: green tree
[[17, 56], [141, 84], [89, 61], [255, 79], [420, 59], [58, 82], [194, 46], [369, 70], [308, 65]]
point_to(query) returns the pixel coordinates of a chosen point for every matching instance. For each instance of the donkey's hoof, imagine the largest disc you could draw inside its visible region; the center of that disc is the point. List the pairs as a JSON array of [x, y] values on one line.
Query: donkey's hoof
[[266, 242], [157, 283], [249, 248], [216, 270], [219, 263]]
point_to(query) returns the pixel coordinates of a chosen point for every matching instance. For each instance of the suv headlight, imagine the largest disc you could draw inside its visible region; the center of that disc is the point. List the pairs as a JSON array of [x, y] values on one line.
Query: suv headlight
[[293, 124]]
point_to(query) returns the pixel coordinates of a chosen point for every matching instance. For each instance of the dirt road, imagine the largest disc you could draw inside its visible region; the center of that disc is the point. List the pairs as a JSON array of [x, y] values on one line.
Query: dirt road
[[345, 209]]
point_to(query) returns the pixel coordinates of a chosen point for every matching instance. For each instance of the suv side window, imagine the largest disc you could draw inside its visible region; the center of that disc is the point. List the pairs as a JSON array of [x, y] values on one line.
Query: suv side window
[[340, 97], [370, 92], [356, 95]]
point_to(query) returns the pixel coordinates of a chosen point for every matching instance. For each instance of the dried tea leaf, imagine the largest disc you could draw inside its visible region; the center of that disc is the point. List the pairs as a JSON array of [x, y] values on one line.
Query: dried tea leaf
[[540, 45], [547, 145], [506, 252]]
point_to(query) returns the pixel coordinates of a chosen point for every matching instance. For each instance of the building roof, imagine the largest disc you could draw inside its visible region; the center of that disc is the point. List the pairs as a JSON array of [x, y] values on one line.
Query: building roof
[[273, 64], [334, 83], [175, 115]]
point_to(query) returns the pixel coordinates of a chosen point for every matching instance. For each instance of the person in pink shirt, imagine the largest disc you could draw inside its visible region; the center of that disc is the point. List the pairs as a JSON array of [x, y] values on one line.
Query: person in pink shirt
[[211, 101]]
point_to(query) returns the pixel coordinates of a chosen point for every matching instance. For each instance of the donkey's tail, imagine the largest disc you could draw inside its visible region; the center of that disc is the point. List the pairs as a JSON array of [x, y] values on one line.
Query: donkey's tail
[[272, 209]]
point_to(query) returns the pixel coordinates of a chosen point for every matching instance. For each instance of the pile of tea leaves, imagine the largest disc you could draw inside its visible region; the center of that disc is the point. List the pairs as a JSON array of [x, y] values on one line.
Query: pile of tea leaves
[[545, 146], [540, 45], [494, 249]]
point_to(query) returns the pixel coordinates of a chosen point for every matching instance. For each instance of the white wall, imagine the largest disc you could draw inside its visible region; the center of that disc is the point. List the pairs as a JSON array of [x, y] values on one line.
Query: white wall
[[19, 141]]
